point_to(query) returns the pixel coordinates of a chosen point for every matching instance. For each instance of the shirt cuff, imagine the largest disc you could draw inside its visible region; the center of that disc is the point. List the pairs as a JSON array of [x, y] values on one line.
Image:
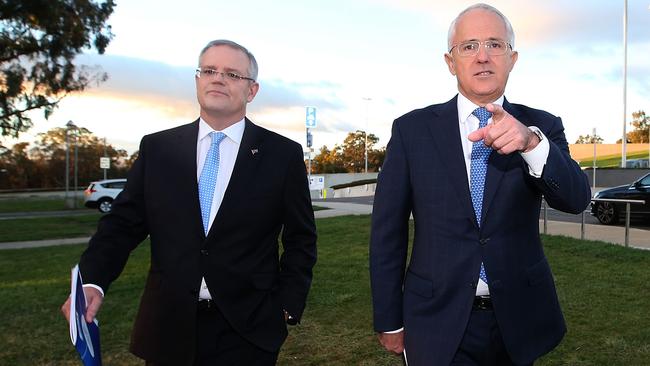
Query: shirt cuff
[[95, 287], [394, 331], [536, 158]]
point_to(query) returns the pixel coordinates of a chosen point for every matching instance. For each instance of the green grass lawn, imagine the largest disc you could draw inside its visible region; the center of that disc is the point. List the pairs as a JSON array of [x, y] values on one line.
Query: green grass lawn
[[40, 228], [612, 160], [31, 204], [48, 227], [604, 291]]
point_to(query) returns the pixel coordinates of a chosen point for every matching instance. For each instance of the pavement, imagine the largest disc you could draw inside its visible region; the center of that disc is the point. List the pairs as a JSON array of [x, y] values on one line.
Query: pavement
[[638, 238]]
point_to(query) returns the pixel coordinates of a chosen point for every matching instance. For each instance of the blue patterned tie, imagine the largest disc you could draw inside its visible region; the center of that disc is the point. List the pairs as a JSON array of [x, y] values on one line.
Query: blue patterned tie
[[208, 179], [477, 172]]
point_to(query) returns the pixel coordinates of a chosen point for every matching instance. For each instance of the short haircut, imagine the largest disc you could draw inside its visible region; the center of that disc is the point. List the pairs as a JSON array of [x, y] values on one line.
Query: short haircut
[[252, 67], [509, 32]]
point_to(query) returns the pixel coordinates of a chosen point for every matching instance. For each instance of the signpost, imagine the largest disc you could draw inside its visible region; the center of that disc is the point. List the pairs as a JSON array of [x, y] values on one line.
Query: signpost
[[317, 183], [310, 122], [104, 163], [310, 118]]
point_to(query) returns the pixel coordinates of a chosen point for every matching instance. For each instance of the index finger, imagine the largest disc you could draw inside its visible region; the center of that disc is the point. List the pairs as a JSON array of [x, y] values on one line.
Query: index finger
[[498, 113]]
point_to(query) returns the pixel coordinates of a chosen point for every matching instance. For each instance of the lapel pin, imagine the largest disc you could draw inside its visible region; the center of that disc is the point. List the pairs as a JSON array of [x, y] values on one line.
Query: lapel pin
[[254, 151]]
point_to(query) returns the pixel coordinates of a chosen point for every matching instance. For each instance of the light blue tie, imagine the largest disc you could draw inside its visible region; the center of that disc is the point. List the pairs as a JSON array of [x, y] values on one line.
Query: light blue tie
[[477, 172], [208, 179]]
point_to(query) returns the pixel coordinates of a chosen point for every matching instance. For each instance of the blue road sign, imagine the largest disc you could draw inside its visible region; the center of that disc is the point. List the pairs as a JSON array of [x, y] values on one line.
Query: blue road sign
[[310, 117]]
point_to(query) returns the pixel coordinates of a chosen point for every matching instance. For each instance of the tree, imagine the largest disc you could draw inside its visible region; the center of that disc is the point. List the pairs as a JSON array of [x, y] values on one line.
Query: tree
[[16, 169], [641, 124], [51, 149], [353, 151], [328, 161], [350, 157], [589, 139], [38, 43], [376, 159], [43, 165]]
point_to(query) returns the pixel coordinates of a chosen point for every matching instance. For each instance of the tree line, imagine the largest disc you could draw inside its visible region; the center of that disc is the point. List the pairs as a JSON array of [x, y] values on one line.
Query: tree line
[[349, 157], [639, 135], [42, 164]]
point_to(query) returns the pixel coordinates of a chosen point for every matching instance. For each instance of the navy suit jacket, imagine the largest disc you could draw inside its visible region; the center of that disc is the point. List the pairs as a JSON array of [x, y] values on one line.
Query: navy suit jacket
[[424, 175], [250, 283]]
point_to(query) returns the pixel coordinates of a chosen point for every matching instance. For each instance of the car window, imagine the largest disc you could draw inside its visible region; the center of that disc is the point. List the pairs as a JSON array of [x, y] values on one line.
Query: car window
[[646, 180], [114, 185]]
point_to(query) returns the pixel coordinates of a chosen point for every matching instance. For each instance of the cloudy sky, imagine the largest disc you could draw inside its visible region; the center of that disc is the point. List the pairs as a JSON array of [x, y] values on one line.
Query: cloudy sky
[[362, 63]]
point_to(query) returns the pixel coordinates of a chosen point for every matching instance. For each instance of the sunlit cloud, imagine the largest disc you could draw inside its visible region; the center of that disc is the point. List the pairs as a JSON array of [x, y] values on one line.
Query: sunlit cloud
[[316, 54]]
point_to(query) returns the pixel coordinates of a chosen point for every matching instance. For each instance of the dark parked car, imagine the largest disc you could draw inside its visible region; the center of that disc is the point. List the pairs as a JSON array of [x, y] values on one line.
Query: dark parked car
[[609, 213]]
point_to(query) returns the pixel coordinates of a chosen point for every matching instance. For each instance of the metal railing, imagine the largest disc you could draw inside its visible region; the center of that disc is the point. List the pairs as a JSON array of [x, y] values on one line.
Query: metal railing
[[582, 221]]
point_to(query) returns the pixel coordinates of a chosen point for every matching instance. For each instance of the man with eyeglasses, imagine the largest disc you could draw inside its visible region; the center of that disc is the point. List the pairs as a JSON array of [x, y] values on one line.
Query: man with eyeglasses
[[214, 196], [478, 289]]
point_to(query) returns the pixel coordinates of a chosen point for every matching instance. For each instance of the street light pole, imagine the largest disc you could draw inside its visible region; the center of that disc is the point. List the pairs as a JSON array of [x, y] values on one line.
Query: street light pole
[[76, 167], [105, 155], [624, 141], [70, 126], [67, 164], [593, 171], [365, 144]]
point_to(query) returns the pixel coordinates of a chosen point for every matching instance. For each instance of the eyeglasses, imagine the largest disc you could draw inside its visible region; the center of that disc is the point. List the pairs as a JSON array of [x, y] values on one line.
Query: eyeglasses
[[212, 74], [493, 47]]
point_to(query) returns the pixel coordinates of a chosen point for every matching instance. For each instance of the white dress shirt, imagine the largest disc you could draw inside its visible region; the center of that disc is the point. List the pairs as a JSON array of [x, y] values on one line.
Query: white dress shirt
[[227, 156], [468, 123]]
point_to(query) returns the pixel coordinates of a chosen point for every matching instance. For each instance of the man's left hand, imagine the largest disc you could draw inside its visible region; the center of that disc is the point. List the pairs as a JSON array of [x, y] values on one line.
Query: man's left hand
[[505, 134]]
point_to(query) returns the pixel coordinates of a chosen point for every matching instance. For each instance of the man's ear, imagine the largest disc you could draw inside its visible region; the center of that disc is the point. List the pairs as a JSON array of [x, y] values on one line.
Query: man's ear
[[513, 59], [450, 63], [252, 91]]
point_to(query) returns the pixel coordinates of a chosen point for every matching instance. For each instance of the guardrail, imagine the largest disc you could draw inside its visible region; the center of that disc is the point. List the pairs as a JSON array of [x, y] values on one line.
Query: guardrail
[[582, 221]]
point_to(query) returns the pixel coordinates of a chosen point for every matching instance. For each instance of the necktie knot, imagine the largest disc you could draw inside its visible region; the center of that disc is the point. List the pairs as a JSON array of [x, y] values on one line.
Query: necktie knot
[[217, 137], [483, 115]]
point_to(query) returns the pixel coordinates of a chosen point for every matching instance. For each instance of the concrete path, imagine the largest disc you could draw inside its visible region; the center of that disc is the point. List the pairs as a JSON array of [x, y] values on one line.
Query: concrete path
[[613, 234], [638, 238], [41, 243]]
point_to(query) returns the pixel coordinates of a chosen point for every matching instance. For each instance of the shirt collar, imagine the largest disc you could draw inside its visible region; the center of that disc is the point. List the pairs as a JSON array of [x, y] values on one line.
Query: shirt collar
[[466, 107], [234, 132]]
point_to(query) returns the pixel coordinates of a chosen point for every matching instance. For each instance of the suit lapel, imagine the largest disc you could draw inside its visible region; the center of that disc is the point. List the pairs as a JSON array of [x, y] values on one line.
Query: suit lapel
[[248, 156], [497, 166], [188, 191], [446, 136]]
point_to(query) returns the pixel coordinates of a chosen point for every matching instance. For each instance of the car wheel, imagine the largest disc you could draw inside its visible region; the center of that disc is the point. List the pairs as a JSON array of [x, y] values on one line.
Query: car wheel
[[606, 213], [105, 205]]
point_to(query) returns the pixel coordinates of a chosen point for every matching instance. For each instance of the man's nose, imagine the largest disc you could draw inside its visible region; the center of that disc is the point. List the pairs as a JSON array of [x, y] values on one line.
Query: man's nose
[[218, 77], [482, 55]]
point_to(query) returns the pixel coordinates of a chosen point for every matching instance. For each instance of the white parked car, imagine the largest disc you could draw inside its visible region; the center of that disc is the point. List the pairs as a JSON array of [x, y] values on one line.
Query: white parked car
[[101, 194]]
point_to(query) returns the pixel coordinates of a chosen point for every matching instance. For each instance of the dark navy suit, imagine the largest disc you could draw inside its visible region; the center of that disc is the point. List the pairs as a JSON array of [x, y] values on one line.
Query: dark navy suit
[[267, 197], [424, 174]]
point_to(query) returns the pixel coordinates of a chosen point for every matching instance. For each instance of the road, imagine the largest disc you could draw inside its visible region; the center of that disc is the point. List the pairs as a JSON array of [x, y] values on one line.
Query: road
[[553, 215]]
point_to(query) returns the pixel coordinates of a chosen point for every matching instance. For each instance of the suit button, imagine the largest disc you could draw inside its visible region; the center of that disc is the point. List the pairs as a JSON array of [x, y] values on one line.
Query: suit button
[[204, 251], [484, 241]]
